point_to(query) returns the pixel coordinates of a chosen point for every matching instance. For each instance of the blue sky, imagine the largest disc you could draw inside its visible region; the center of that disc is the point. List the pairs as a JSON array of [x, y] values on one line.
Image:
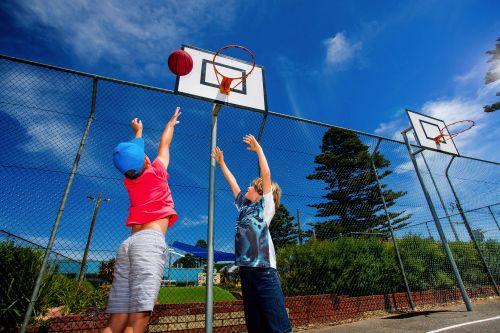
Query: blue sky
[[350, 63], [356, 64]]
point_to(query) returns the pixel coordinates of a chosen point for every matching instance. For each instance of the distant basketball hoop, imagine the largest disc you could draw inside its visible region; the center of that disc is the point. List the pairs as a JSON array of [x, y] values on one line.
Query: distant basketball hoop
[[225, 84]]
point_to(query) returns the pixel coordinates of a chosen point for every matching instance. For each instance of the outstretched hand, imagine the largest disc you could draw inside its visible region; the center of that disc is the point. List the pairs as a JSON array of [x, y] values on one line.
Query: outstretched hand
[[218, 155], [173, 121], [136, 125], [252, 143]]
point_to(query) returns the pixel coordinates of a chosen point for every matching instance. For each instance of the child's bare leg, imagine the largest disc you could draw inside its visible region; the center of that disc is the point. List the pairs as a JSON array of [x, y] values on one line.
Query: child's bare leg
[[137, 322], [116, 323]]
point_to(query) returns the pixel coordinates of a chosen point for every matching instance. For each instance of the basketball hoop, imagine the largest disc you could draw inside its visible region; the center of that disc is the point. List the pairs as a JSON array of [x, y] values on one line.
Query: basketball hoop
[[458, 128], [225, 85]]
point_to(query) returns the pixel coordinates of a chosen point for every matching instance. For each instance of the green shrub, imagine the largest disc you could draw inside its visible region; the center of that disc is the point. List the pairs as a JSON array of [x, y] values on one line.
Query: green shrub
[[364, 266], [469, 264], [348, 266], [19, 267], [59, 290], [425, 263], [491, 252]]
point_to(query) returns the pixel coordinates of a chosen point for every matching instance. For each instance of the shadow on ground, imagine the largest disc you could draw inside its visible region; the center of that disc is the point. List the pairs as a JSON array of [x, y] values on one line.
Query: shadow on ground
[[418, 313]]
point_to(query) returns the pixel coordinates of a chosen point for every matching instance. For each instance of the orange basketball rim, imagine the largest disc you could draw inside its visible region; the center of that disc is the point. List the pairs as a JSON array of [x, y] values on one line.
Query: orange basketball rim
[[225, 84], [453, 129]]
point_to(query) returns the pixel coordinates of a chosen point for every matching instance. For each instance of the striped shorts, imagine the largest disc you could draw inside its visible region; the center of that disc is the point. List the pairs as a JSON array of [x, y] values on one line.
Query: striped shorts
[[138, 272]]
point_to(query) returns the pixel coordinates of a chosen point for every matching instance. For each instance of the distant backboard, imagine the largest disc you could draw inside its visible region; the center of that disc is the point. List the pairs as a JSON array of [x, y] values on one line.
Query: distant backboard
[[202, 83], [427, 128]]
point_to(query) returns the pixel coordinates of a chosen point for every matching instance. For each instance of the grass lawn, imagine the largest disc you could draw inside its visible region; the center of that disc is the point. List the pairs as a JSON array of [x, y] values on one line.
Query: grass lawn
[[191, 294]]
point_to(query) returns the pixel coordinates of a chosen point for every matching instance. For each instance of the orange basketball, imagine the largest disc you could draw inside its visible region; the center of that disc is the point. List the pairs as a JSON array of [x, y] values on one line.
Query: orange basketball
[[180, 62]]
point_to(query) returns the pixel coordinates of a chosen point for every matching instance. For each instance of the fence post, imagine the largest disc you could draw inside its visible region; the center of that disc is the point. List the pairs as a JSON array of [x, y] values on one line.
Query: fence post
[[469, 229], [446, 247], [36, 289], [389, 223], [440, 199]]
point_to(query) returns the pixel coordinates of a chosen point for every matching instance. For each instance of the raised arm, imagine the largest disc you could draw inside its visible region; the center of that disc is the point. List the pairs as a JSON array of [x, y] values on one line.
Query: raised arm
[[166, 138], [265, 172], [218, 156], [137, 127]]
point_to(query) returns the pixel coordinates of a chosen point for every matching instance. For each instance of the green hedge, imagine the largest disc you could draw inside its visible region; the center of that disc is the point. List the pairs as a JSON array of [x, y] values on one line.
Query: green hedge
[[347, 266], [19, 270], [364, 266]]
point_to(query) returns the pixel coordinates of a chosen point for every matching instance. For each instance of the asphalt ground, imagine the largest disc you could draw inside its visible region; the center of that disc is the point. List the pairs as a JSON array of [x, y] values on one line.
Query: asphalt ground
[[485, 317]]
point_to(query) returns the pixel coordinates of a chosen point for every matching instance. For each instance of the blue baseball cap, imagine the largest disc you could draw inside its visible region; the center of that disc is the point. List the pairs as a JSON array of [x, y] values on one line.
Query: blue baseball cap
[[129, 156]]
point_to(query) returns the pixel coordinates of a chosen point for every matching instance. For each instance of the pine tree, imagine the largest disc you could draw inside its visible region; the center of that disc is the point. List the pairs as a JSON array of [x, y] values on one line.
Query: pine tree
[[493, 74], [352, 203], [283, 230]]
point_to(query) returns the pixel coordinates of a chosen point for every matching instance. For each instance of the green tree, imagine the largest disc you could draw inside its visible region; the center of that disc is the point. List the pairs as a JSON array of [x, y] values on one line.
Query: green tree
[[107, 270], [352, 203], [283, 230], [201, 243], [493, 74], [188, 261]]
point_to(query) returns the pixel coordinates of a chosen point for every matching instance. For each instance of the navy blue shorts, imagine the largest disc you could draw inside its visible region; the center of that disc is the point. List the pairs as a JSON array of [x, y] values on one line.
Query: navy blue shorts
[[263, 301]]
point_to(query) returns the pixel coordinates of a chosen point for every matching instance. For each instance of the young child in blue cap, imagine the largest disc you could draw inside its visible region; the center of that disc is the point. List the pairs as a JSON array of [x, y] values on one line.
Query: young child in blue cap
[[140, 261]]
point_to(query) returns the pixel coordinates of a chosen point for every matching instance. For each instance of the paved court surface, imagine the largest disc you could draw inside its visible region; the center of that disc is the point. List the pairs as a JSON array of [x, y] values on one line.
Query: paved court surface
[[484, 318]]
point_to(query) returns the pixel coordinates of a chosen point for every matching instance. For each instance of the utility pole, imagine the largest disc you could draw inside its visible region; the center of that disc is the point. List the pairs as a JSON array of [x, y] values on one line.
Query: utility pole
[[89, 238], [299, 226]]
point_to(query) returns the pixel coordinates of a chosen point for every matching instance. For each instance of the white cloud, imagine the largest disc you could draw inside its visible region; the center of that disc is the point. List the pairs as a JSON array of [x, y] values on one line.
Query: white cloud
[[404, 167], [134, 36], [48, 134], [339, 50], [471, 75], [190, 222], [288, 71], [393, 127]]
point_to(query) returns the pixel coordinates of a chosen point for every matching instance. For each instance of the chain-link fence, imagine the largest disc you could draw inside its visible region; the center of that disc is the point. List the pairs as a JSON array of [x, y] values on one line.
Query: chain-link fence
[[354, 221]]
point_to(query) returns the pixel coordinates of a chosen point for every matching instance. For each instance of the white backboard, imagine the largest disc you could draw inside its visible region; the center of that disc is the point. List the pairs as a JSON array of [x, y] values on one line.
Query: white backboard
[[202, 83], [427, 128]]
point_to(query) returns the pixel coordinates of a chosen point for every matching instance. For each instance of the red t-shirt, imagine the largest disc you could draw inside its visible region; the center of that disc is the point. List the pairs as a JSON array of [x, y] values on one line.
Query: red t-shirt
[[150, 197]]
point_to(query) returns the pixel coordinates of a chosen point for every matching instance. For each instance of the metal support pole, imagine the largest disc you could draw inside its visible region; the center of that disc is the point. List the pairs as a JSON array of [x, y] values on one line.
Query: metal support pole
[[469, 229], [36, 289], [299, 227], [89, 238], [494, 218], [429, 231], [169, 274], [440, 197], [210, 232], [389, 223], [447, 249], [262, 126]]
